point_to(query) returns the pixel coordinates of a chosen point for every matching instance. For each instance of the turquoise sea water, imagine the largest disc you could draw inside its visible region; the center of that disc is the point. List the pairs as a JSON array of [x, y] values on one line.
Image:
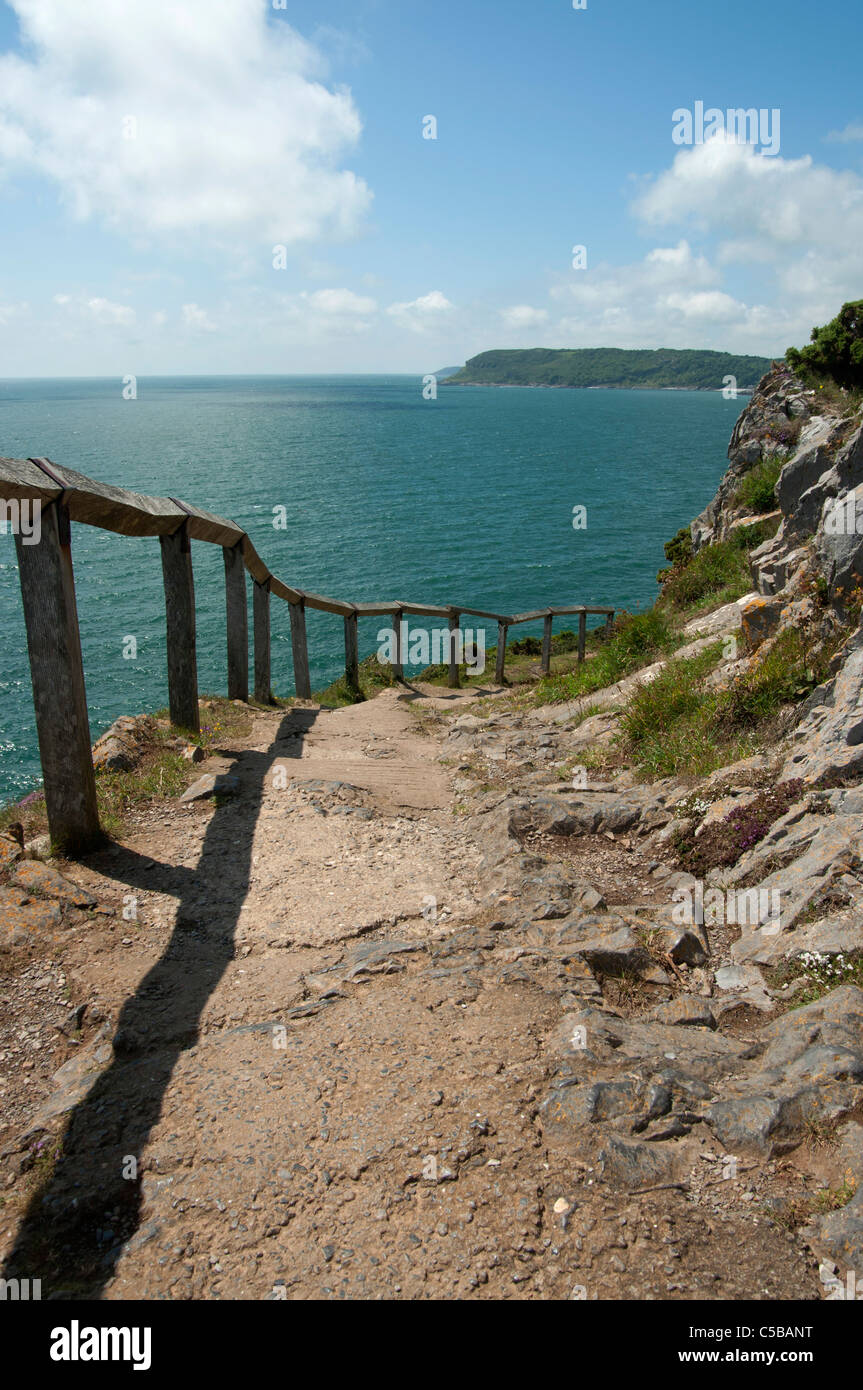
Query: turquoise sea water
[[466, 499]]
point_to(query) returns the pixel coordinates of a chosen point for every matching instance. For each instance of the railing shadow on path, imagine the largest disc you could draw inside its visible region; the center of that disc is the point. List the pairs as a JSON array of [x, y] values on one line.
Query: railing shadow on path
[[77, 1222]]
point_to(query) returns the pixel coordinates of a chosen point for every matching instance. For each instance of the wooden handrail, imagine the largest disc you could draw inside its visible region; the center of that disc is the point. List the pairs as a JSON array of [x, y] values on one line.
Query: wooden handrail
[[47, 585]]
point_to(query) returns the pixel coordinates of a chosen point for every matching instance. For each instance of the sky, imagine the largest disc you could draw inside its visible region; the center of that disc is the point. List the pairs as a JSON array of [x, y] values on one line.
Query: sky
[[339, 186]]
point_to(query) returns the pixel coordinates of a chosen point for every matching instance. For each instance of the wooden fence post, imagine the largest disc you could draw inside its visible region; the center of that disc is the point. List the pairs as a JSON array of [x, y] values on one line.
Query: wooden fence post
[[453, 678], [299, 646], [237, 614], [261, 616], [398, 664], [57, 672], [502, 631], [582, 634], [180, 622], [546, 645], [352, 653]]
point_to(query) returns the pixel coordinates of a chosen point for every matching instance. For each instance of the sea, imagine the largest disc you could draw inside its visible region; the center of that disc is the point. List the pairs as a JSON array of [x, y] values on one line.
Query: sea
[[357, 487]]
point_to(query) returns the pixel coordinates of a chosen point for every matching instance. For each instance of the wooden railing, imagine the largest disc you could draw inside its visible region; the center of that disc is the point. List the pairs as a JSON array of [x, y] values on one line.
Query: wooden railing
[[50, 613]]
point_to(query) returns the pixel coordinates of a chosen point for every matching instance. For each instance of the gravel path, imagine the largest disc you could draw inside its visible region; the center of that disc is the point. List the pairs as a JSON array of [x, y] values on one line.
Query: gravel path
[[309, 1066]]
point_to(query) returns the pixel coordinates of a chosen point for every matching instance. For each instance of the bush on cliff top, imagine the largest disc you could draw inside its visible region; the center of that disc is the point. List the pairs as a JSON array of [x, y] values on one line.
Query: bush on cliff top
[[836, 350]]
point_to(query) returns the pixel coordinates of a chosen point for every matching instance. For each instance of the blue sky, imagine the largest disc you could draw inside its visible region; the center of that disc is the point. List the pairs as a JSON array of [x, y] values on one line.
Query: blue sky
[[153, 153]]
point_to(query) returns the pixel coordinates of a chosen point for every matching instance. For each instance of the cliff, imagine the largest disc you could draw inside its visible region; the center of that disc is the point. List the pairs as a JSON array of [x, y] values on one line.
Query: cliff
[[808, 576]]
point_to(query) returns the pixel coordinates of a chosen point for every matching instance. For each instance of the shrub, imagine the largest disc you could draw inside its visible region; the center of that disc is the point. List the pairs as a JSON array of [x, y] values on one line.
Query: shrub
[[757, 492], [718, 570], [836, 349], [566, 641], [678, 551], [719, 573], [723, 842]]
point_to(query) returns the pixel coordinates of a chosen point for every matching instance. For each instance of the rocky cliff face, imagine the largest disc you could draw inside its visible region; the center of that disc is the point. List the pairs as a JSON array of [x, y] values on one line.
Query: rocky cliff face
[[820, 448], [771, 424], [809, 574]]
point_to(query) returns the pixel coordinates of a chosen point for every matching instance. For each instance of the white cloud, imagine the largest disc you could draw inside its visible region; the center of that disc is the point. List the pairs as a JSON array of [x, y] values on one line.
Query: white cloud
[[233, 136], [95, 309], [523, 316], [852, 131], [8, 312], [340, 302], [801, 220], [671, 298], [110, 315], [779, 203], [197, 318], [421, 314], [712, 306]]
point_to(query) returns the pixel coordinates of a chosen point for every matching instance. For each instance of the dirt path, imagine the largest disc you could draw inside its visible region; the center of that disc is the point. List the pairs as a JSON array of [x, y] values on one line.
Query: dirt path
[[310, 1066]]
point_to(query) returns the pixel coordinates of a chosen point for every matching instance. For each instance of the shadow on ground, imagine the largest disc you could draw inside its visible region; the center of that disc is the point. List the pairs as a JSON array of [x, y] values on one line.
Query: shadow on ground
[[81, 1215]]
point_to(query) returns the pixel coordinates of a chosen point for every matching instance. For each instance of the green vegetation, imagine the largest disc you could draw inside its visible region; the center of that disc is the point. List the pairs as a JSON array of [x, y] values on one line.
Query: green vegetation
[[374, 677], [655, 368], [679, 725], [820, 975], [835, 353], [722, 842], [786, 674], [757, 492], [669, 726], [678, 551], [635, 639], [566, 641], [718, 574], [160, 773], [522, 657]]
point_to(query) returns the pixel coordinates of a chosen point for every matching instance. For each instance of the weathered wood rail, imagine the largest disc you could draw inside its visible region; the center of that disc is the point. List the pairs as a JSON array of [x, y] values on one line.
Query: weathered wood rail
[[54, 645]]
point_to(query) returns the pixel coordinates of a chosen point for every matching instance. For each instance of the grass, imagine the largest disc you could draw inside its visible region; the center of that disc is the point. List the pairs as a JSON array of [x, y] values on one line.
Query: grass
[[834, 1198], [800, 1210], [522, 656], [757, 492], [635, 640], [627, 992], [374, 677], [41, 1162], [718, 574], [786, 674], [830, 397], [669, 727], [160, 773], [820, 1133], [677, 725]]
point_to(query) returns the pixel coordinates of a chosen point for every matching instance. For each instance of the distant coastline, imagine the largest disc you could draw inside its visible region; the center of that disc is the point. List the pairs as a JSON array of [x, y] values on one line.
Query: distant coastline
[[605, 386], [613, 369]]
